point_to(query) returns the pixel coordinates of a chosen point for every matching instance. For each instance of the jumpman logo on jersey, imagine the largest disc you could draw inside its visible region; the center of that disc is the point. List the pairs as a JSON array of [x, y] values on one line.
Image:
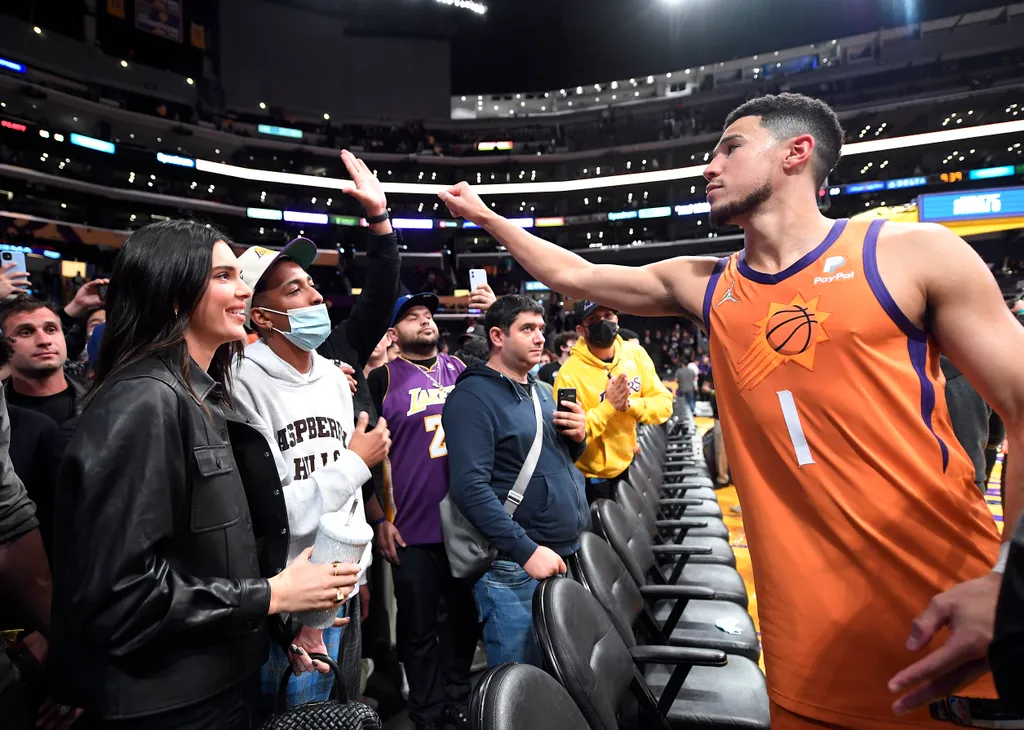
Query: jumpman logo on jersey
[[728, 296]]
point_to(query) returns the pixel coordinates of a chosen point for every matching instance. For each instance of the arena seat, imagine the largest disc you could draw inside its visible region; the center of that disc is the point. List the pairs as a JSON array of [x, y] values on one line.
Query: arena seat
[[691, 621], [665, 552], [673, 686], [676, 508], [630, 541], [666, 531], [512, 696]]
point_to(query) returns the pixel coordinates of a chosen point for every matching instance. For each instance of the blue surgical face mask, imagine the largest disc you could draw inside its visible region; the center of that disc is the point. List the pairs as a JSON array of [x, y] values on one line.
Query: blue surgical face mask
[[535, 369], [310, 326]]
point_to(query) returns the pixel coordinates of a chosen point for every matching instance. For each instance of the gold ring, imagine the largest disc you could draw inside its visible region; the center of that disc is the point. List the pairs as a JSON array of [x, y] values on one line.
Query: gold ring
[[335, 568], [339, 597]]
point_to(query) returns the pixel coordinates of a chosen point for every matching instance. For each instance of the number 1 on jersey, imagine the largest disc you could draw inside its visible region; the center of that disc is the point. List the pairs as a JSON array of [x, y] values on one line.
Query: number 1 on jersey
[[796, 430], [438, 447]]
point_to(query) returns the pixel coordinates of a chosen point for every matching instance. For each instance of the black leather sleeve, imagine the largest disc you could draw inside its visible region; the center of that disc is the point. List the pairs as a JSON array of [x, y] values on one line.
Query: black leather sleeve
[[122, 487]]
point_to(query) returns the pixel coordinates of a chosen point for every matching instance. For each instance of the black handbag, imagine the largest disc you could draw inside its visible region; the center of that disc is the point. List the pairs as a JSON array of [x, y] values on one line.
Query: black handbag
[[334, 714]]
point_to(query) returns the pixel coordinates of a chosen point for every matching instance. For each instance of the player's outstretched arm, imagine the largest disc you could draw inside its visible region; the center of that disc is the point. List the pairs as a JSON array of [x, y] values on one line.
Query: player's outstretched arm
[[669, 287]]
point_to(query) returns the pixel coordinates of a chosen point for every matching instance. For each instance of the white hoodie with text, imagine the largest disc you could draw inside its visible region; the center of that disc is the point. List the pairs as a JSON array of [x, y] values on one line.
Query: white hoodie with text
[[308, 421]]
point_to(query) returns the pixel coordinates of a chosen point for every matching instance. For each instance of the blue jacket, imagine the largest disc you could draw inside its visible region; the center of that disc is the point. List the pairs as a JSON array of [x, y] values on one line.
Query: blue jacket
[[489, 425]]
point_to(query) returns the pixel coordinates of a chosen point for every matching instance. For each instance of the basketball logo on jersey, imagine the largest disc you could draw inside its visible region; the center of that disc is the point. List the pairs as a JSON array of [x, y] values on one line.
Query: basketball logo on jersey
[[790, 333]]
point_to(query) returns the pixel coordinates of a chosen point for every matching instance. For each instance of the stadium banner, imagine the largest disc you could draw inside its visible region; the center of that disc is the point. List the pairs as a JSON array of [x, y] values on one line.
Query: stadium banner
[[160, 17], [116, 8]]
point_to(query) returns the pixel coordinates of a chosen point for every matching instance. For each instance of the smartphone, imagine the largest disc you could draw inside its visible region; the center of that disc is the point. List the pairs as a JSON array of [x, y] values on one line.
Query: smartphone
[[18, 259], [477, 278], [567, 394]]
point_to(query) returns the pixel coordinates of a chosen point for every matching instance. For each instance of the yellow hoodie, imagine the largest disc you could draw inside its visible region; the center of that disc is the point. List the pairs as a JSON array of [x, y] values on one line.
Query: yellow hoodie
[[611, 434]]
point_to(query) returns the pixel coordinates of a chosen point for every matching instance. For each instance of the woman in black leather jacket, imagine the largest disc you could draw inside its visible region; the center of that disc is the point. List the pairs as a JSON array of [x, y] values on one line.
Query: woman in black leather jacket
[[166, 520]]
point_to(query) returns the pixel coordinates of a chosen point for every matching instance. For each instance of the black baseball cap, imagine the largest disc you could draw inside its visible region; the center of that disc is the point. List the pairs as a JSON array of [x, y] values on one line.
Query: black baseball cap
[[424, 299], [476, 331], [585, 307]]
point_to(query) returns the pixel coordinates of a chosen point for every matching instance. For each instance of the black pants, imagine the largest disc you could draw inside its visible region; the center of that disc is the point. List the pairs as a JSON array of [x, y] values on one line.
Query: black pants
[[437, 655], [227, 711]]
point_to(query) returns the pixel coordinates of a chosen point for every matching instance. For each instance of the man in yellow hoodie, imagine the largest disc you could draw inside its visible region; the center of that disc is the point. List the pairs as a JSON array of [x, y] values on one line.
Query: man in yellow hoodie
[[618, 387]]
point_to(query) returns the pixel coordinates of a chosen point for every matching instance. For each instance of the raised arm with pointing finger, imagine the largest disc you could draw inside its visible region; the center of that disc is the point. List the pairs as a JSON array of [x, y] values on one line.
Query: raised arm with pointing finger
[[668, 287]]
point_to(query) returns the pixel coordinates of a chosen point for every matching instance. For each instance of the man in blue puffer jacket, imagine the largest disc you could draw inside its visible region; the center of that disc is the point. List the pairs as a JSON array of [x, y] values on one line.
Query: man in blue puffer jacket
[[490, 423]]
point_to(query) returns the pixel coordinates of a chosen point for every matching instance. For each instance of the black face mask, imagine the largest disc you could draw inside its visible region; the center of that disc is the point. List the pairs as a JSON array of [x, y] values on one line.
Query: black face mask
[[602, 333]]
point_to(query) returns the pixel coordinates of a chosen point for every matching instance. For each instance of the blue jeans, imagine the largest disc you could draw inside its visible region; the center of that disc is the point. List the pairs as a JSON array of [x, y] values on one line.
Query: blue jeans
[[504, 600]]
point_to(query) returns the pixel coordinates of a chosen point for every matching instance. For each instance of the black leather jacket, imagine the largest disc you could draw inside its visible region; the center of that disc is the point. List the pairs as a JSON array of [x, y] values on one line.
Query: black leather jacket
[[159, 599]]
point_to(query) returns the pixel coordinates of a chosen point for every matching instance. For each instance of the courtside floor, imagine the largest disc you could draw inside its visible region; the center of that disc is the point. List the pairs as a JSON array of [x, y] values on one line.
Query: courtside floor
[[738, 538]]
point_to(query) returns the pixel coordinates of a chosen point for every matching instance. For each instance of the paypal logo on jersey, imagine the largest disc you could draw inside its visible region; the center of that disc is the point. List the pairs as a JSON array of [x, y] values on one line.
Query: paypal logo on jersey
[[832, 263]]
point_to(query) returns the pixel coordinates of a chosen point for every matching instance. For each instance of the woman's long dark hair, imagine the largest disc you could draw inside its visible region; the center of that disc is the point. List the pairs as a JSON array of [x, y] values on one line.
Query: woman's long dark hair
[[159, 276]]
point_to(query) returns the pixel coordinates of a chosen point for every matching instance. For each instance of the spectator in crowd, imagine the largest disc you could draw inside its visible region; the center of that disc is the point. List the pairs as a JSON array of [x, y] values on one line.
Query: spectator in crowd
[[564, 342], [410, 393], [721, 469], [687, 385], [25, 587], [491, 421], [284, 387], [969, 414], [171, 515], [1006, 654], [473, 349], [618, 387], [38, 380], [629, 336], [354, 340], [385, 351]]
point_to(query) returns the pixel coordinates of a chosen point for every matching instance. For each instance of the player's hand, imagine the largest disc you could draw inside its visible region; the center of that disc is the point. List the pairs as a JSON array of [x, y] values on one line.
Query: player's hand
[[573, 422], [87, 297], [350, 373], [482, 297], [12, 282], [544, 563], [370, 446], [462, 202], [367, 188], [968, 610], [617, 393]]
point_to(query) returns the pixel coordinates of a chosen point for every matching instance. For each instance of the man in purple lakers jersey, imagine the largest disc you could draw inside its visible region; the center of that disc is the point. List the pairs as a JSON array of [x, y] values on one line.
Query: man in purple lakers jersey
[[410, 392]]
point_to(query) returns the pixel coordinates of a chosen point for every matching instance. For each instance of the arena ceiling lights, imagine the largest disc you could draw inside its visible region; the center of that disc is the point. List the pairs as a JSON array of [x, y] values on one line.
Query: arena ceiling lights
[[471, 5], [612, 181]]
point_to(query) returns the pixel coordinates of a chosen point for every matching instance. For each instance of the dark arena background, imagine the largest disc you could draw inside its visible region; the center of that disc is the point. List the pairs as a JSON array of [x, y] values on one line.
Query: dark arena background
[[588, 123]]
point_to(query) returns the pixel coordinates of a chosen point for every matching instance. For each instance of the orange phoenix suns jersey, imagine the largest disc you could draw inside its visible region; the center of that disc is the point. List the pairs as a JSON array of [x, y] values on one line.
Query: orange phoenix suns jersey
[[859, 504]]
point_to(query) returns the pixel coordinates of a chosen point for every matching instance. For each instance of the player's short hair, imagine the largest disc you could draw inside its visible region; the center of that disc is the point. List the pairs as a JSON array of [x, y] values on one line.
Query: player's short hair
[[789, 115], [503, 313], [23, 304], [628, 334]]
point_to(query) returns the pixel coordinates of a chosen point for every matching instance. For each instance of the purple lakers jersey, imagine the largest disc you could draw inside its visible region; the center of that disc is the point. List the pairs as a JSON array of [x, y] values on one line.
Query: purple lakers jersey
[[416, 470]]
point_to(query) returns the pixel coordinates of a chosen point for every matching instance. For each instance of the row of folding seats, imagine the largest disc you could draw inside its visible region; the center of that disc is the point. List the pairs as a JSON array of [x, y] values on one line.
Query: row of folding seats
[[652, 630]]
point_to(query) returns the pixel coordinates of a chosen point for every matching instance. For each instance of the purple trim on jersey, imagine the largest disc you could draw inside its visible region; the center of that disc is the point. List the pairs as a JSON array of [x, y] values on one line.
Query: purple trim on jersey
[[415, 482], [917, 340], [919, 358], [806, 260], [878, 286], [709, 293]]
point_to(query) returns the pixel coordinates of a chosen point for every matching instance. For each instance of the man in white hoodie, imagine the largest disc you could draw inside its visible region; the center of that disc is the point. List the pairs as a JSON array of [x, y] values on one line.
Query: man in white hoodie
[[303, 405]]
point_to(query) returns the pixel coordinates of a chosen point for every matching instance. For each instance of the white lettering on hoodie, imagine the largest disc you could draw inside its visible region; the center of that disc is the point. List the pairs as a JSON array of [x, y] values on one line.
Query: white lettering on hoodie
[[307, 420]]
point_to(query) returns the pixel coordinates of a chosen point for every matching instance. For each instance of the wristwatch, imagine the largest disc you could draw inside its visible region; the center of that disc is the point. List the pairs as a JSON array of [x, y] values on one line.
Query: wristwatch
[[377, 218]]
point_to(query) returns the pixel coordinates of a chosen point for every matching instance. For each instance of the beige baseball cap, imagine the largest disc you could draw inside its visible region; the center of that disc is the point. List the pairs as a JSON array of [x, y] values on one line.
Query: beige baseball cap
[[256, 261]]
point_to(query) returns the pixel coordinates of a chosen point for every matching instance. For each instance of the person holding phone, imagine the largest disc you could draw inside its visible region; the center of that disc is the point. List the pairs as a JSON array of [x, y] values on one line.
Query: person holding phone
[[171, 534], [490, 421]]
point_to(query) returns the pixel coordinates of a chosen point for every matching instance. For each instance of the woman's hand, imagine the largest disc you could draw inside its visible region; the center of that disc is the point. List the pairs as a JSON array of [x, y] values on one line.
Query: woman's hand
[[306, 586]]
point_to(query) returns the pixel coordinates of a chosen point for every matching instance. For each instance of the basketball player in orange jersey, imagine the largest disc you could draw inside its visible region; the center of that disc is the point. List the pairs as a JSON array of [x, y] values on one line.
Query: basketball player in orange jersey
[[859, 504]]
